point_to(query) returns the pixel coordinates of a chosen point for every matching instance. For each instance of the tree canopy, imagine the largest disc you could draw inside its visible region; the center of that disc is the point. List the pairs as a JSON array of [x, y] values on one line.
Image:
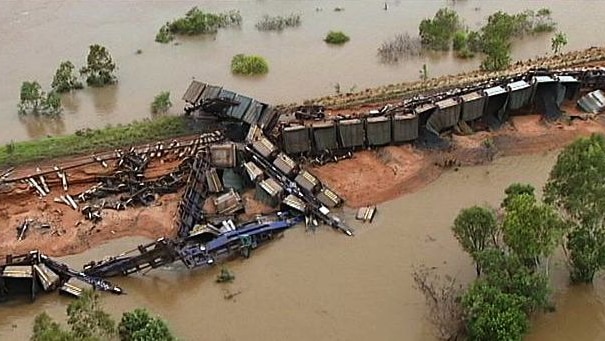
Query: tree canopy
[[35, 101], [476, 228], [88, 322], [99, 67], [437, 33], [531, 229], [65, 79], [577, 187]]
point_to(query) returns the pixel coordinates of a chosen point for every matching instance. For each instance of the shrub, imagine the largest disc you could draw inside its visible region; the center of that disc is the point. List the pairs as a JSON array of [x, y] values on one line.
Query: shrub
[[197, 21], [249, 65], [161, 103], [164, 35], [399, 46], [336, 37], [278, 23]]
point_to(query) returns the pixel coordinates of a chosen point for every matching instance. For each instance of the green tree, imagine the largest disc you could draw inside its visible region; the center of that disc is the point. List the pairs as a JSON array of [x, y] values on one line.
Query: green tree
[[508, 273], [531, 229], [475, 229], [88, 322], [516, 189], [437, 33], [36, 101], [161, 103], [45, 329], [138, 325], [558, 42], [99, 67], [494, 315], [31, 97], [576, 186], [64, 79]]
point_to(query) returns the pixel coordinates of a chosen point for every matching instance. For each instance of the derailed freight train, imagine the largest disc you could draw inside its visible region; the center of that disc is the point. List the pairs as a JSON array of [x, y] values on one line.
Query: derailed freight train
[[416, 118]]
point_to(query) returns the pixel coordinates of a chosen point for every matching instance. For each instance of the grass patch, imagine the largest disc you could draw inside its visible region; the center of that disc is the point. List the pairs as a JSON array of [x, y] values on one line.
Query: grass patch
[[336, 37], [249, 65], [161, 103], [278, 23], [94, 140]]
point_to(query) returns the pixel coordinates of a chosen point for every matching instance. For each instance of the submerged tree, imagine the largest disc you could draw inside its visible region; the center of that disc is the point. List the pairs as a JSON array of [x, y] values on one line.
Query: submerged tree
[[99, 67], [476, 228], [65, 79], [443, 299], [531, 229], [437, 33], [35, 101], [494, 315], [576, 186]]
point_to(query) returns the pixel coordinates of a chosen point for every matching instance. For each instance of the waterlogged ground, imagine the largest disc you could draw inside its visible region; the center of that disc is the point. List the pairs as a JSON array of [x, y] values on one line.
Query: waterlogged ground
[[36, 35]]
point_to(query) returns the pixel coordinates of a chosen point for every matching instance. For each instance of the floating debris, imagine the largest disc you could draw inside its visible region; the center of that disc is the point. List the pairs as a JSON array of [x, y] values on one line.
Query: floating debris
[[366, 214]]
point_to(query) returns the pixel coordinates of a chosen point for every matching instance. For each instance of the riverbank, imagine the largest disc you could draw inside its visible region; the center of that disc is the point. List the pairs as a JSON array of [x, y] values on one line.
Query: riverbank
[[96, 140]]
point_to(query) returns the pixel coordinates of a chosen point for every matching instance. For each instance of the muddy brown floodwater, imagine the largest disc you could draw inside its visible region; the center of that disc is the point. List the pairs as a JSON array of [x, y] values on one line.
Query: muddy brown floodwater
[[325, 286], [36, 35]]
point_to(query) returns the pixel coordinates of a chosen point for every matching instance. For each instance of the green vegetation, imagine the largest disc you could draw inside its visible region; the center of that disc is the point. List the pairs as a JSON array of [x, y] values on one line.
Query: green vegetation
[[161, 103], [476, 229], [88, 140], [336, 37], [164, 35], [87, 321], [531, 229], [512, 279], [99, 67], [576, 186], [278, 23], [511, 252], [501, 28], [249, 65], [225, 276], [138, 325], [424, 73], [446, 30], [37, 102], [65, 80], [494, 315], [558, 42], [437, 33], [197, 22]]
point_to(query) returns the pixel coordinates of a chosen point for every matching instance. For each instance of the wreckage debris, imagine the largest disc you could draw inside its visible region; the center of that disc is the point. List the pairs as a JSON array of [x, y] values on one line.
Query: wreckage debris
[[203, 239], [366, 214], [34, 272]]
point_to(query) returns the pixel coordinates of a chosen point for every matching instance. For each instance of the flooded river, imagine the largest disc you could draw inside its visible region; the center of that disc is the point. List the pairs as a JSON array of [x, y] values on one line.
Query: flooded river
[[36, 35], [325, 286]]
